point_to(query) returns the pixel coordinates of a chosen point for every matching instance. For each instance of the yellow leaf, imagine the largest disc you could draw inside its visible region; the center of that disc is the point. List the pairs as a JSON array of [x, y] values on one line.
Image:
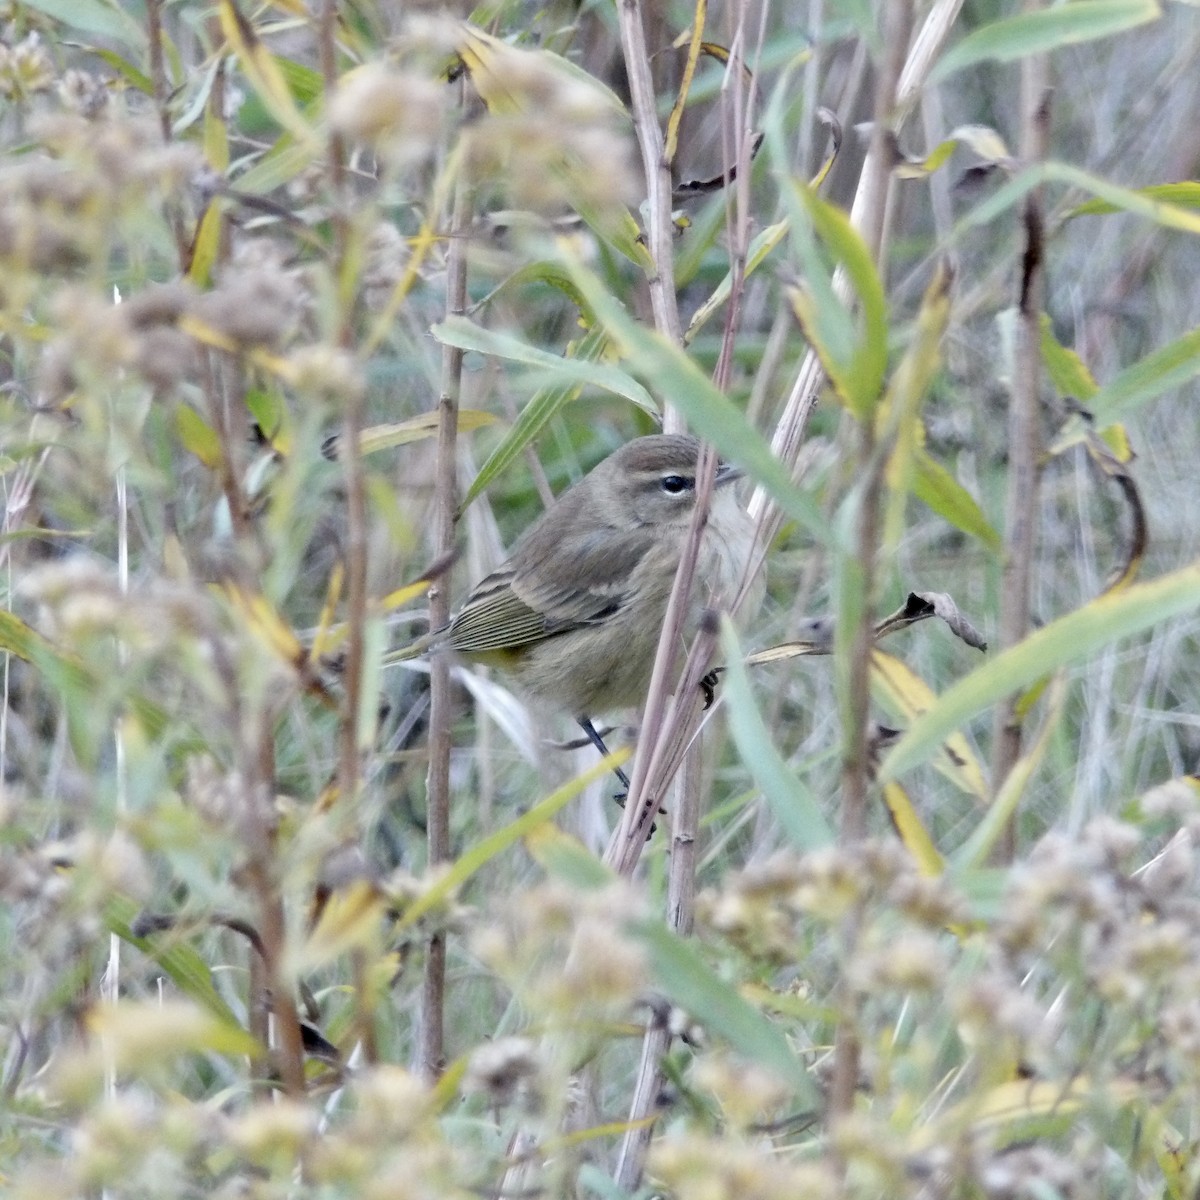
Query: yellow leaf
[[350, 920], [262, 71], [197, 436], [912, 831], [264, 621], [908, 695]]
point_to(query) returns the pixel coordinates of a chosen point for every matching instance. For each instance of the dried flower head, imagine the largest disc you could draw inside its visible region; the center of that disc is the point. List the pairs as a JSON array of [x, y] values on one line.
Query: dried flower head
[[25, 68], [505, 1070], [399, 113]]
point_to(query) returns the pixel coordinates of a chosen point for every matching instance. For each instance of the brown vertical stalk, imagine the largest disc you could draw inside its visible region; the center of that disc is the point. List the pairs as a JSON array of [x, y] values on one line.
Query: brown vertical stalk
[[431, 1043], [1024, 422], [350, 443], [660, 232], [855, 775], [683, 713]]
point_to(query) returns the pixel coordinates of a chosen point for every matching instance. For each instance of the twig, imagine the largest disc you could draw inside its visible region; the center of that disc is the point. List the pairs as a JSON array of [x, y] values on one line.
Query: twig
[[660, 231], [431, 1049], [1024, 422], [855, 759]]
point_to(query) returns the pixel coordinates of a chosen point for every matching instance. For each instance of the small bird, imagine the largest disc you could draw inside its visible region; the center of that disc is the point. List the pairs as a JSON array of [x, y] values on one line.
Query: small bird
[[574, 615]]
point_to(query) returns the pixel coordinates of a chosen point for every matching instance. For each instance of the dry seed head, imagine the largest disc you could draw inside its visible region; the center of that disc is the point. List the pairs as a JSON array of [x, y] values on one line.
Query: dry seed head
[[1027, 1171], [1173, 872], [831, 883], [911, 960], [990, 1007], [390, 1101], [327, 372], [712, 1168], [504, 1069], [25, 68], [386, 256], [273, 1130], [398, 113], [748, 1094], [83, 93]]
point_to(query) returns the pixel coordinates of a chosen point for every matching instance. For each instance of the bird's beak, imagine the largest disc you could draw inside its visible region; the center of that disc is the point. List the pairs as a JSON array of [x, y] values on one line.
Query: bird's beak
[[727, 473]]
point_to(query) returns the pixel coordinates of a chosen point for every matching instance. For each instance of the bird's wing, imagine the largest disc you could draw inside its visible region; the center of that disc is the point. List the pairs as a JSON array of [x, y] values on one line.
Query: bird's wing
[[524, 602]]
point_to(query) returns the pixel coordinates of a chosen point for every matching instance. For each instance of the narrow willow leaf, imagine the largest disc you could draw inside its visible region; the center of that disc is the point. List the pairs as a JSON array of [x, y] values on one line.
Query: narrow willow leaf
[[565, 857], [934, 486], [484, 851], [262, 70], [794, 806], [206, 245], [900, 412], [417, 429], [671, 141], [905, 694], [197, 436], [350, 919], [533, 418], [1044, 30], [183, 966], [1173, 366], [868, 364], [466, 335], [1186, 194], [1070, 638], [1068, 372], [761, 247], [912, 831], [93, 16], [693, 984], [975, 850]]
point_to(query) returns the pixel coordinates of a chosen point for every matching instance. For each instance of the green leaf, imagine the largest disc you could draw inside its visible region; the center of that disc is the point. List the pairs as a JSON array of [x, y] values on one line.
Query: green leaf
[[197, 436], [709, 412], [466, 335], [692, 984], [533, 418], [934, 486], [794, 805], [187, 970], [867, 365], [1068, 372], [1174, 365], [1045, 30], [484, 851], [1185, 194], [1106, 619], [92, 16]]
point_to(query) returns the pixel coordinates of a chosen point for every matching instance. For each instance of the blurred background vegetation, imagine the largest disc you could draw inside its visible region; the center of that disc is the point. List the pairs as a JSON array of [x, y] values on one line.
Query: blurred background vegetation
[[296, 297]]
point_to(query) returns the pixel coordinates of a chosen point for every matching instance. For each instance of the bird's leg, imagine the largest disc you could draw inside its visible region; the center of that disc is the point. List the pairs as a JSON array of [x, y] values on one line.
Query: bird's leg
[[594, 737], [708, 685]]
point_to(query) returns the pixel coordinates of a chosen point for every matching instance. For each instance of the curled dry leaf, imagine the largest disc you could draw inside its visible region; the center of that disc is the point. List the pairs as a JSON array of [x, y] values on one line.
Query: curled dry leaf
[[920, 606], [816, 633]]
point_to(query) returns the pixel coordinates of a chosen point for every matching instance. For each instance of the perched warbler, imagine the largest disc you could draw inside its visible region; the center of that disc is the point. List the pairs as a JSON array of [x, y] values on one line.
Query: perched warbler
[[575, 614]]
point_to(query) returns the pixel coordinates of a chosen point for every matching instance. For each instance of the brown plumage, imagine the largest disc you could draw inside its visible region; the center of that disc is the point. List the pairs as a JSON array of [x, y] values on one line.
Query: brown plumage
[[574, 615]]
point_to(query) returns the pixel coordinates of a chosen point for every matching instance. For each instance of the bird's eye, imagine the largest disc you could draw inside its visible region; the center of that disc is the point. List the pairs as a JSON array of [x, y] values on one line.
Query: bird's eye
[[675, 484]]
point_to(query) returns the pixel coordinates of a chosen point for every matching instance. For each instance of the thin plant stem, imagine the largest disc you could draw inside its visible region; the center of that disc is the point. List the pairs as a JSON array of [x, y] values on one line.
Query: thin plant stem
[[860, 572], [1025, 434], [660, 230], [431, 1042]]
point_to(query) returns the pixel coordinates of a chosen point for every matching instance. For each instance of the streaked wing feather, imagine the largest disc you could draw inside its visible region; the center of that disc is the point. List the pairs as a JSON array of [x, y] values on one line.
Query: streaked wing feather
[[522, 602], [497, 620]]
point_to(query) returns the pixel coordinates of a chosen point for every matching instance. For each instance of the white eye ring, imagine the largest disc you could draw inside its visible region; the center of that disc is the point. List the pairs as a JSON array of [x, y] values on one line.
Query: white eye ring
[[675, 485]]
